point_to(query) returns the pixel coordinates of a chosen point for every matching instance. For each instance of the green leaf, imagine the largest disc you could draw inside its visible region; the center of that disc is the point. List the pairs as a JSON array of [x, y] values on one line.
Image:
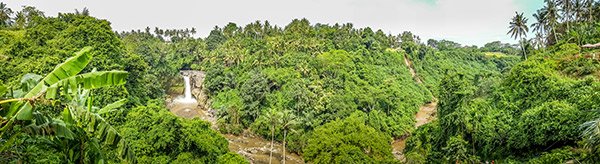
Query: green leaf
[[110, 107], [70, 67], [67, 117], [61, 129], [30, 80], [91, 80], [103, 79], [26, 112], [3, 90], [51, 92]]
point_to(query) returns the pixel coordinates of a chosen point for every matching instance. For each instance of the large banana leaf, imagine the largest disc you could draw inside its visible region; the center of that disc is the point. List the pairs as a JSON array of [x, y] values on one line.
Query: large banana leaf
[[91, 80], [110, 107], [46, 125], [65, 81], [69, 68], [95, 124]]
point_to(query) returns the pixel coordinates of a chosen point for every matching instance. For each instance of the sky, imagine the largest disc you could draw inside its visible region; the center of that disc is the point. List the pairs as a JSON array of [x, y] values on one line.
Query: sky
[[469, 22]]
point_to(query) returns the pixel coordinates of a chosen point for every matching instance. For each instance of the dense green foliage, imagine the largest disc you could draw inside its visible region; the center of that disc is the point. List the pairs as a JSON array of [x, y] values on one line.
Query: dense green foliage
[[26, 115], [280, 82], [538, 112], [318, 72], [332, 93], [322, 73], [60, 119], [538, 106], [349, 140], [433, 63], [157, 136]]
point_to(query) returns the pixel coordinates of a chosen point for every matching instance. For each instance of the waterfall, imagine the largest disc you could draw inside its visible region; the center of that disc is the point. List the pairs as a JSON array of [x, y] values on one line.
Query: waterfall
[[188, 91], [187, 99]]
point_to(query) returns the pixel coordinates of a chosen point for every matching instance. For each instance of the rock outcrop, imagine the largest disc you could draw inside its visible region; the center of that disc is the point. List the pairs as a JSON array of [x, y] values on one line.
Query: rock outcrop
[[198, 91]]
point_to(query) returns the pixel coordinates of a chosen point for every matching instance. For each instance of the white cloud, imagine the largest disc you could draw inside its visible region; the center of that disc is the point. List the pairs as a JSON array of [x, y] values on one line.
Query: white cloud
[[471, 22]]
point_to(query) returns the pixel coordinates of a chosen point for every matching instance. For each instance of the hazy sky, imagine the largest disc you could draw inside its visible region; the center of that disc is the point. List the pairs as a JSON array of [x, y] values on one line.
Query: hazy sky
[[470, 22]]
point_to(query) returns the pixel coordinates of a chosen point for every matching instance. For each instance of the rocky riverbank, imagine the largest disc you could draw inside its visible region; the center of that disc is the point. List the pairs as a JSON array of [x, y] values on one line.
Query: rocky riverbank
[[254, 148]]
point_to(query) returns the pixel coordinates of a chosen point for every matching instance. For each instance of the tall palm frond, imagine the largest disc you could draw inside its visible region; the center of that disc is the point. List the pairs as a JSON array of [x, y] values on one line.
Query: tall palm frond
[[540, 24], [518, 26], [5, 14]]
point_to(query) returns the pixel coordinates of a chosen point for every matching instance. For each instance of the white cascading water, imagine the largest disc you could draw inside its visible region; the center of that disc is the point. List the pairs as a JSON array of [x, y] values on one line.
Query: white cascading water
[[188, 92]]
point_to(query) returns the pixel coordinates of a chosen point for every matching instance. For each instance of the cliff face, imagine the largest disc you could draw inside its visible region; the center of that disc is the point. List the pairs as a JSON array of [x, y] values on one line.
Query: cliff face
[[197, 81]]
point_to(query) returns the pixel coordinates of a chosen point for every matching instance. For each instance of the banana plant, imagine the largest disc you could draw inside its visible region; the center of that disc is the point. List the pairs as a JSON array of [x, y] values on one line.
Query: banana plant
[[87, 119], [79, 118]]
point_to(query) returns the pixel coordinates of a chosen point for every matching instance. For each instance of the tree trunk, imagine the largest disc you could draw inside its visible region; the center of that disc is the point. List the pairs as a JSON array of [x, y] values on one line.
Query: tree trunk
[[271, 150], [524, 53], [523, 49], [568, 27], [284, 135], [555, 36]]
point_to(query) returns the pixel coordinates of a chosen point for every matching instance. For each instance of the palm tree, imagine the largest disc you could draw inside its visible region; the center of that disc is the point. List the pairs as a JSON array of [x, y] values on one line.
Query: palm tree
[[287, 120], [539, 40], [566, 7], [589, 5], [579, 10], [551, 16], [20, 20], [540, 27], [273, 118], [5, 13], [540, 21], [518, 29]]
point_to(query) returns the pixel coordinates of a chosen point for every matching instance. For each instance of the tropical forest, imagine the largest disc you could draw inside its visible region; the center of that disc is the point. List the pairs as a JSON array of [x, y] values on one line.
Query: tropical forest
[[73, 89]]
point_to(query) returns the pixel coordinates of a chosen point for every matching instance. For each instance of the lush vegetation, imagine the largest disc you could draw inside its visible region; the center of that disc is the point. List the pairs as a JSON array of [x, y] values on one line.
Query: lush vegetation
[[543, 110], [334, 142], [321, 73], [331, 93], [100, 115]]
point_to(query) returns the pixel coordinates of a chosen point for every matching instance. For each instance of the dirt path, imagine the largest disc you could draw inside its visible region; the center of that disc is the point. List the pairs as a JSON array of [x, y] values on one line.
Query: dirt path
[[412, 70], [425, 115]]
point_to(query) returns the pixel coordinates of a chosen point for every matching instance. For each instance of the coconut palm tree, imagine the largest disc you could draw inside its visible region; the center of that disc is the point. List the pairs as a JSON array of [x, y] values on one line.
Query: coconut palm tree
[[518, 29], [589, 9], [552, 17], [5, 13], [287, 120], [566, 7], [538, 41], [20, 20], [273, 118], [540, 21], [540, 24]]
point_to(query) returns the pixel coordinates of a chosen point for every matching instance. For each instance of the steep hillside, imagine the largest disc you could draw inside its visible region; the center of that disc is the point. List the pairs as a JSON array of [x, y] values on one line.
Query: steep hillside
[[532, 114]]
